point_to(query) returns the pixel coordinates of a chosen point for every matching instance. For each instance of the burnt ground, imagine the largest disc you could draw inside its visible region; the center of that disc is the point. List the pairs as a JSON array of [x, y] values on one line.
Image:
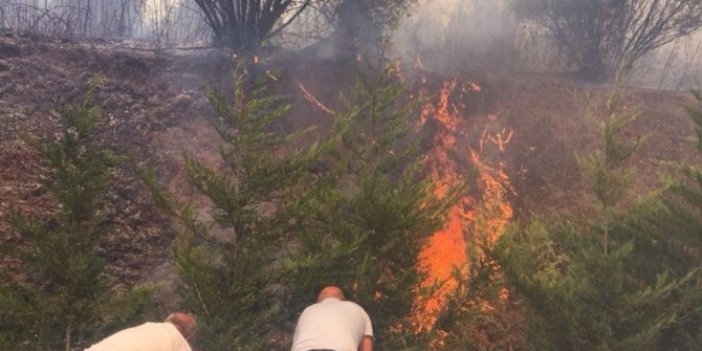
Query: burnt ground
[[143, 93], [555, 121], [155, 108]]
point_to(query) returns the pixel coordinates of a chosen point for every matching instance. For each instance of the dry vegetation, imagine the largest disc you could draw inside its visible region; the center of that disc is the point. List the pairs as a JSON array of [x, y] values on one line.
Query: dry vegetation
[[155, 108], [153, 99]]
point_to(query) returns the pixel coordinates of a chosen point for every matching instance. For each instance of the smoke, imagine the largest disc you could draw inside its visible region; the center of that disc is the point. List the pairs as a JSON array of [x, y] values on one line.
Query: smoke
[[467, 36], [676, 66], [447, 36], [161, 21], [454, 36]]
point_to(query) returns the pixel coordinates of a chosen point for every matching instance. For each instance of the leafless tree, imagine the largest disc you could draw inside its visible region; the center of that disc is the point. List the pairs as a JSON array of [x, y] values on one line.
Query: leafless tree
[[234, 23], [366, 21], [163, 21], [246, 24], [603, 36], [346, 22]]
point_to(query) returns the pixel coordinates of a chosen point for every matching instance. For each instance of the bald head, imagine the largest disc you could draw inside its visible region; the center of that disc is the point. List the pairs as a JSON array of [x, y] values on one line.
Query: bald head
[[330, 291], [184, 322]]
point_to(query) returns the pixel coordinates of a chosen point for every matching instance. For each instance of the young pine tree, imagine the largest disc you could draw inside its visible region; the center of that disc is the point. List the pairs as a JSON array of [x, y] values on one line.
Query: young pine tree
[[373, 211], [674, 228], [607, 168], [353, 212], [61, 289], [481, 314], [580, 278], [684, 201], [229, 257]]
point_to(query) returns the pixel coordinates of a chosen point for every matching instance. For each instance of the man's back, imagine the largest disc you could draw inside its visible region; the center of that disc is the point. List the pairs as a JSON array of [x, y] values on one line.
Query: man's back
[[145, 337], [332, 324]]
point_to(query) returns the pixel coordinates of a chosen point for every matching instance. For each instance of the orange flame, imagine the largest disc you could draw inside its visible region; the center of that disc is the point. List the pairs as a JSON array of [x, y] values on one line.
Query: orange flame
[[492, 216], [485, 217]]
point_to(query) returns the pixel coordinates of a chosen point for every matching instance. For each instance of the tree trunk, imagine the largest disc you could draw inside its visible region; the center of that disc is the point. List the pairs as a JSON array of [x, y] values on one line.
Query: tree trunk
[[69, 331]]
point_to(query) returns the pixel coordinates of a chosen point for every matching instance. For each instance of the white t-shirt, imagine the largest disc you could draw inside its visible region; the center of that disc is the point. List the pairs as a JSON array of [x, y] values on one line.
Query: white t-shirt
[[146, 337], [332, 324]]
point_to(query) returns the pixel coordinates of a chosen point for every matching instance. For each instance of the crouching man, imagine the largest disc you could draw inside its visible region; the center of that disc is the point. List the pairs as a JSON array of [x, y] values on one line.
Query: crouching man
[[171, 335], [333, 324]]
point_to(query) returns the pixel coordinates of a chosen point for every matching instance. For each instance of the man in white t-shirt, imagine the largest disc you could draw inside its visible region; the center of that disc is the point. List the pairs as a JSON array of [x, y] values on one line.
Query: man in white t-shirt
[[333, 324], [171, 335]]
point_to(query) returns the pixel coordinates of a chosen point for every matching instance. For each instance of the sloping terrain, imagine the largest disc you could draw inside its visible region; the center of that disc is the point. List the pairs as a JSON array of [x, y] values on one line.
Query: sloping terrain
[[142, 93], [155, 109], [555, 120]]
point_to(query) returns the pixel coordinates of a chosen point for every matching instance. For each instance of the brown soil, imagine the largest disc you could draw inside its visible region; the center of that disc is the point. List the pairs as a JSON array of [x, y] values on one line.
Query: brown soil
[[143, 92]]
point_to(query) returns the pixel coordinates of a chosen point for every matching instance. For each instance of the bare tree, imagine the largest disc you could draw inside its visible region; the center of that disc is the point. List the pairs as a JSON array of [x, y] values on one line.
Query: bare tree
[[364, 22], [603, 36], [235, 23], [246, 24], [348, 27]]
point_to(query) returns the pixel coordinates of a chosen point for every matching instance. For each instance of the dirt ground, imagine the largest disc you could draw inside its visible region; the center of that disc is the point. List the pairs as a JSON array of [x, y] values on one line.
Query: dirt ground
[[144, 93], [155, 109]]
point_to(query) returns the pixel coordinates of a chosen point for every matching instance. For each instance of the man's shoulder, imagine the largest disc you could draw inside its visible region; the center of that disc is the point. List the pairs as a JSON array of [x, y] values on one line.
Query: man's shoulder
[[351, 303], [161, 326], [354, 306], [334, 304]]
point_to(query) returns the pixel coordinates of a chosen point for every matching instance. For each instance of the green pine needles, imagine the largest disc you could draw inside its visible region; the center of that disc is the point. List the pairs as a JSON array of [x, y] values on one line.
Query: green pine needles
[[62, 289], [230, 254], [602, 283], [608, 168], [286, 216], [374, 212]]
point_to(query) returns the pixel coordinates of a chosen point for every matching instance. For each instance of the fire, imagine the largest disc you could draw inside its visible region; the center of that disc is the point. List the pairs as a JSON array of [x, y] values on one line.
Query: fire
[[484, 216]]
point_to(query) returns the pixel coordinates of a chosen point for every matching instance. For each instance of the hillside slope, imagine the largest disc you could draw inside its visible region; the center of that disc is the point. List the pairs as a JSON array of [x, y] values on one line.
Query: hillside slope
[[155, 109]]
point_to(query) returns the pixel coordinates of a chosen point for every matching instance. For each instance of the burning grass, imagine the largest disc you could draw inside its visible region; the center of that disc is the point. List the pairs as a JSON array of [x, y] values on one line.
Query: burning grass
[[479, 216]]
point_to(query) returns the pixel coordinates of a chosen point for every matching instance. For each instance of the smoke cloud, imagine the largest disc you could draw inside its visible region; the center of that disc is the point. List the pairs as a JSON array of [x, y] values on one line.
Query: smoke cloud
[[459, 36]]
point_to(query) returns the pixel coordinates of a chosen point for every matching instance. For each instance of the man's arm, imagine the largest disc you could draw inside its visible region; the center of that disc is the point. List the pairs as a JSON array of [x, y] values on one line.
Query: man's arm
[[366, 344]]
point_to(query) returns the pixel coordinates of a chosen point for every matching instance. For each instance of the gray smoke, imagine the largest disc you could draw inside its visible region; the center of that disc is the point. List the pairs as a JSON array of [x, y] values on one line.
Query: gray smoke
[[447, 36], [459, 36]]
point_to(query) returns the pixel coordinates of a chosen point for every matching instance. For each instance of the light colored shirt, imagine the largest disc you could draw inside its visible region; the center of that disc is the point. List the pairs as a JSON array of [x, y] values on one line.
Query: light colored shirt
[[146, 337], [332, 324]]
